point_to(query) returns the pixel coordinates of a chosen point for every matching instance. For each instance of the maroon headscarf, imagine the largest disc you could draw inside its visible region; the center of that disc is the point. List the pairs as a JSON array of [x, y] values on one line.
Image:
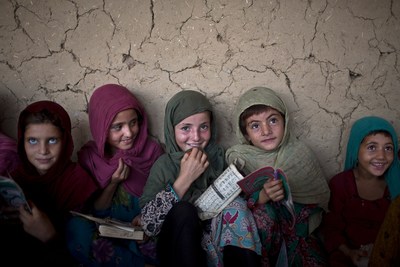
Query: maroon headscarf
[[8, 154], [105, 103], [66, 186]]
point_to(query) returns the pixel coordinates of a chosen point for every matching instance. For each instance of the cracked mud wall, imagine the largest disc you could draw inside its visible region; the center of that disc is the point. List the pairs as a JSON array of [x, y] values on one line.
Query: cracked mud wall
[[332, 61]]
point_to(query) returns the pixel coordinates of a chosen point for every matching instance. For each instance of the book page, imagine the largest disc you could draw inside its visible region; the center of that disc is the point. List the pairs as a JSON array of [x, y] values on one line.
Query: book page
[[218, 195], [12, 193], [111, 231]]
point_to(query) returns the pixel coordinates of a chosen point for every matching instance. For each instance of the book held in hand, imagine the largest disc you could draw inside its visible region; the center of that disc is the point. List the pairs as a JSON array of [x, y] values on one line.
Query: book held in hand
[[255, 180], [114, 228], [231, 183], [219, 194], [12, 193]]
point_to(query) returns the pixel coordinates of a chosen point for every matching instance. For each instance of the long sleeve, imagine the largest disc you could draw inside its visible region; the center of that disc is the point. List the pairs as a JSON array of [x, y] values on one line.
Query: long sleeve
[[155, 211], [334, 222]]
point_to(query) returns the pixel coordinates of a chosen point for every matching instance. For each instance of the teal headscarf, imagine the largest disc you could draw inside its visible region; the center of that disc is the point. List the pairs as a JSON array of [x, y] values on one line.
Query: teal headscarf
[[166, 169], [362, 128]]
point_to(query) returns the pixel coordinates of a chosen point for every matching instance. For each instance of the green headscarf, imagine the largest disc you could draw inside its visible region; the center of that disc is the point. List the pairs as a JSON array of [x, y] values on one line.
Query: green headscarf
[[304, 173], [362, 128], [166, 168]]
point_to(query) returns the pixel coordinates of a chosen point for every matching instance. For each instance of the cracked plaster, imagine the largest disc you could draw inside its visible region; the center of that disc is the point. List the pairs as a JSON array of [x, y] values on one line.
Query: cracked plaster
[[332, 61]]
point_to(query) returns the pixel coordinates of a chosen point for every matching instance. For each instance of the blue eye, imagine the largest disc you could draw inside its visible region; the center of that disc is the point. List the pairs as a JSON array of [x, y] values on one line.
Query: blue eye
[[32, 141], [53, 141]]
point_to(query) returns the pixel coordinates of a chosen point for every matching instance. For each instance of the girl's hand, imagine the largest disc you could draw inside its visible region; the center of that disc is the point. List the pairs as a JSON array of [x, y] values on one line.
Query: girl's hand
[[272, 190], [121, 174], [356, 255], [193, 164], [137, 221], [37, 224]]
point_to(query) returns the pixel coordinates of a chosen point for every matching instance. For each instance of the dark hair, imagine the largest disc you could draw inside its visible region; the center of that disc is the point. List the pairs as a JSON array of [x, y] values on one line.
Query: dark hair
[[374, 132], [43, 116], [250, 111]]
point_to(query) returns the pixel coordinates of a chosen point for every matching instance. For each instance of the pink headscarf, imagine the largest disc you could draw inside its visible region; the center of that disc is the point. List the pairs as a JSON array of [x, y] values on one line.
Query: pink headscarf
[[105, 103], [8, 154]]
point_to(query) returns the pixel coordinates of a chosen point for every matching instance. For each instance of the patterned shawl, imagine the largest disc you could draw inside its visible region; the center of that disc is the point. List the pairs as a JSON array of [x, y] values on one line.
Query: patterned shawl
[[166, 169], [363, 127], [105, 103], [65, 186], [305, 176], [8, 154]]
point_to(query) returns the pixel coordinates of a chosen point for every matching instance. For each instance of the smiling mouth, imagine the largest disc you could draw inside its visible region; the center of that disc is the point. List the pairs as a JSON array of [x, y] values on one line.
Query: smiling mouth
[[194, 145]]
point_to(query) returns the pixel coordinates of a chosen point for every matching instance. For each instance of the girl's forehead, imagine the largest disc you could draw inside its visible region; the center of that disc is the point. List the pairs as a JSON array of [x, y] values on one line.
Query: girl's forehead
[[205, 116]]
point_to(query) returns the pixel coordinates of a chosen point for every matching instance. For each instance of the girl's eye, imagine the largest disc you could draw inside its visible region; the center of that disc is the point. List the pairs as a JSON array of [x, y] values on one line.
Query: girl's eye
[[371, 148], [53, 141], [389, 148], [185, 128], [116, 127], [132, 123], [274, 121], [204, 127], [254, 126], [32, 141]]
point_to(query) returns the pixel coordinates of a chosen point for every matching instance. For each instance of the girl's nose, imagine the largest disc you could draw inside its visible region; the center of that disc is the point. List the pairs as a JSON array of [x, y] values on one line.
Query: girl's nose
[[43, 149], [196, 135], [266, 129], [127, 131]]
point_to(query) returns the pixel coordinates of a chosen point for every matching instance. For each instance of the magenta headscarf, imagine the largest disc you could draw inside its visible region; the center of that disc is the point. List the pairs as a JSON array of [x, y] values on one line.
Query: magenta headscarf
[[8, 154], [105, 103], [66, 186]]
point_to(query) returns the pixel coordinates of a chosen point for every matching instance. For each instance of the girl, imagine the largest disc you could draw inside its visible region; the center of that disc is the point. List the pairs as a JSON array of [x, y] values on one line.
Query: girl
[[192, 162], [52, 184], [120, 158], [361, 194], [262, 127]]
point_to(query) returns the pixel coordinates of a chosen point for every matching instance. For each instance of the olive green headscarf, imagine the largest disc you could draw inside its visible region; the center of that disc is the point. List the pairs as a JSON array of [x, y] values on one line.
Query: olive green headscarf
[[166, 168], [304, 173]]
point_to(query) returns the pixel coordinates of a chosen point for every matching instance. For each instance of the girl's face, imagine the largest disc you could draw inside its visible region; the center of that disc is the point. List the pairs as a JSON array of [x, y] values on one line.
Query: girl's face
[[123, 130], [193, 131], [266, 129], [43, 145], [375, 155]]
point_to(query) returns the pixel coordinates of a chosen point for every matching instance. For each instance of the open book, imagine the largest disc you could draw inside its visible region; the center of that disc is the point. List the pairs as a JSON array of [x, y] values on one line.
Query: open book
[[219, 194], [12, 194], [114, 228], [231, 183]]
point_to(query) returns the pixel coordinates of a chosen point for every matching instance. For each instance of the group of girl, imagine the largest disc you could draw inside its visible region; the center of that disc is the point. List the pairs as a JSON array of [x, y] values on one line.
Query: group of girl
[[124, 174]]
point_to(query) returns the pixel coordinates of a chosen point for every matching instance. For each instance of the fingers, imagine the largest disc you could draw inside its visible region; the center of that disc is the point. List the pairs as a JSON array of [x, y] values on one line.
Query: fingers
[[122, 171], [197, 154], [274, 190]]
